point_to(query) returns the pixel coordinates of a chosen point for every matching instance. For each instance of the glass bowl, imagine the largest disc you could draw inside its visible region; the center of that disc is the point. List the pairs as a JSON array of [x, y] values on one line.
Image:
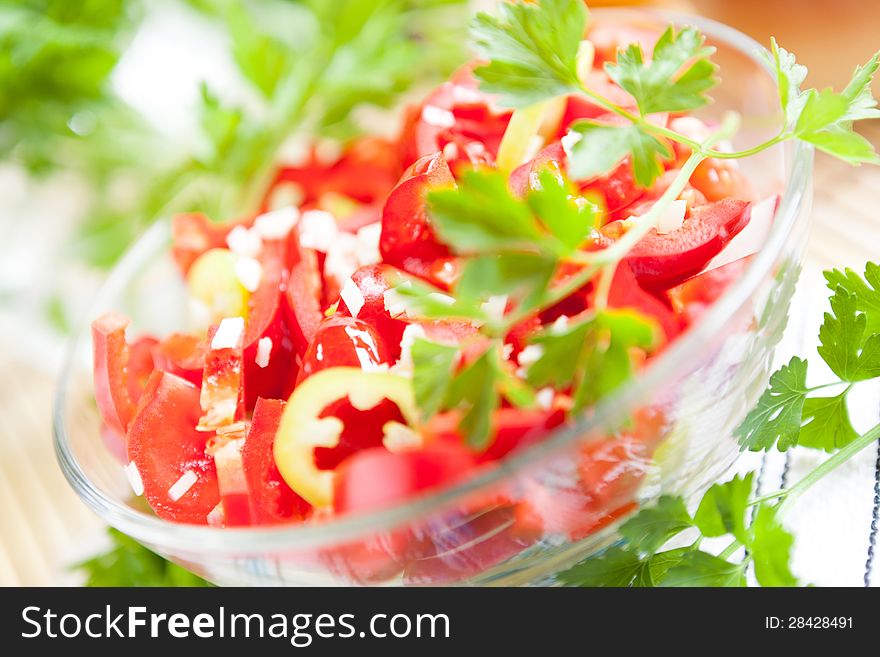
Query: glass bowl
[[544, 507]]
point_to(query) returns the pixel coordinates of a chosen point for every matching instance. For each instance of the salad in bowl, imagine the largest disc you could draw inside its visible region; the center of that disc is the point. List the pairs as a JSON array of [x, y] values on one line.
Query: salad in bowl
[[462, 355]]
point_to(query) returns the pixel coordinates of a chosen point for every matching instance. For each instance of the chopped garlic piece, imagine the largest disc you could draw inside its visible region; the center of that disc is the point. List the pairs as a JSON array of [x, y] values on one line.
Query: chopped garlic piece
[[438, 117], [353, 297], [229, 334], [530, 355], [181, 487], [495, 306], [672, 217], [264, 350], [249, 272], [399, 437], [544, 397], [395, 303], [244, 242], [134, 478], [569, 140], [276, 225], [318, 230], [559, 325], [411, 333], [217, 517], [342, 257]]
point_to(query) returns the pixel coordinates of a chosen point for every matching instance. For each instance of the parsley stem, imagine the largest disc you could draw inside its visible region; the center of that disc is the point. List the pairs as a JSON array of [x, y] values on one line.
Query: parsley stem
[[788, 495], [837, 459], [609, 105], [662, 131], [730, 549]]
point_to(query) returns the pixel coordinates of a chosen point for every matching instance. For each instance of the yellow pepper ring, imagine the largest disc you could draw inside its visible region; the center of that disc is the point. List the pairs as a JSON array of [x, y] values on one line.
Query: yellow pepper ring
[[302, 430]]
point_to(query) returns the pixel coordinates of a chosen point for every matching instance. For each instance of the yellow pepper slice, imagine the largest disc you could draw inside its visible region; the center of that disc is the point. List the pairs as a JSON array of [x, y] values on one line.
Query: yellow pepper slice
[[302, 430], [213, 282]]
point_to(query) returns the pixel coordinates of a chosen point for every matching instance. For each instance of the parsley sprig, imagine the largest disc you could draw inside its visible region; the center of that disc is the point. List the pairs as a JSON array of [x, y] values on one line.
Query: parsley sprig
[[789, 414]]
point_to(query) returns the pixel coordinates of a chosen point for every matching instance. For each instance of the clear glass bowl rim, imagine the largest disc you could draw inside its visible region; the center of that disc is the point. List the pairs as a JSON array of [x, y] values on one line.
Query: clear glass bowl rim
[[171, 536]]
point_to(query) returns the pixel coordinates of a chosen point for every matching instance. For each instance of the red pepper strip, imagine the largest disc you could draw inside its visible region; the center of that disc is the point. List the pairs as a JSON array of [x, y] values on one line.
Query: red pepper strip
[[179, 479], [183, 355], [222, 394], [271, 499], [110, 361]]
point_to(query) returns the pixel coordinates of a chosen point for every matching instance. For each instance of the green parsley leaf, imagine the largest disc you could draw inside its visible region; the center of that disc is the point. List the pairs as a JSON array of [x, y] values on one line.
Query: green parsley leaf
[[770, 549], [844, 144], [128, 563], [862, 104], [660, 85], [220, 125], [475, 389], [262, 45], [426, 301], [615, 567], [865, 290], [827, 424], [849, 352], [821, 109], [777, 417], [660, 563], [607, 361], [723, 508], [561, 211], [601, 147], [653, 526], [531, 48], [593, 355], [433, 365], [481, 215], [698, 568], [824, 118], [789, 77], [518, 275], [561, 352]]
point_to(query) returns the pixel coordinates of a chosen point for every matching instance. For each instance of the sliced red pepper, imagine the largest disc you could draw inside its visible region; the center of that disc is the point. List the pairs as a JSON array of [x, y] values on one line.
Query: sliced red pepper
[[515, 428], [376, 478], [234, 495], [372, 281], [222, 393], [168, 450], [344, 341], [193, 234], [271, 499], [693, 297], [408, 240], [183, 355], [140, 365], [365, 172], [625, 292], [662, 261], [456, 115], [302, 293], [267, 369], [111, 355]]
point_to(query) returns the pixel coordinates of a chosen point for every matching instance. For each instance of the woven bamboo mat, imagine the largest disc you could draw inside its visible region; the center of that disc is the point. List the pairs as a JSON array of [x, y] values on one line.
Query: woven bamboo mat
[[43, 525]]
